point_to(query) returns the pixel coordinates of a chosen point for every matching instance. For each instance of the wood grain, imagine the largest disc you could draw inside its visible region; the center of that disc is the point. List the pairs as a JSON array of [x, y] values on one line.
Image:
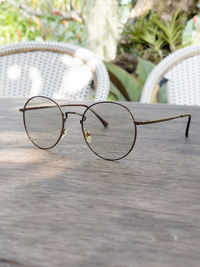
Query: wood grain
[[66, 207]]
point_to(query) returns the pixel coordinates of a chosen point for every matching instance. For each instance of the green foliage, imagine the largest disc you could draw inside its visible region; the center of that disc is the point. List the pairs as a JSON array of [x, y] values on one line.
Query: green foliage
[[191, 33], [53, 20], [151, 38], [143, 70], [129, 91], [15, 28], [132, 84], [57, 29], [162, 94], [171, 32], [17, 25]]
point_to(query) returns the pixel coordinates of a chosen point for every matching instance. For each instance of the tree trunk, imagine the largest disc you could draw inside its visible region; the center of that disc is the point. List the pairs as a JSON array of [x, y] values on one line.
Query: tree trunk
[[103, 27], [165, 8]]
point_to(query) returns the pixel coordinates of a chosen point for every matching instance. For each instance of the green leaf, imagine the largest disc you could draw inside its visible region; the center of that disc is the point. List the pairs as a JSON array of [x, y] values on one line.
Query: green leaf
[[127, 80], [115, 93], [144, 68], [162, 94]]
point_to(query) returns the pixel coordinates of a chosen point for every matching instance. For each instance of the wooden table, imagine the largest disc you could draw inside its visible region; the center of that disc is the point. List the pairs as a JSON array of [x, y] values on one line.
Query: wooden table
[[67, 207]]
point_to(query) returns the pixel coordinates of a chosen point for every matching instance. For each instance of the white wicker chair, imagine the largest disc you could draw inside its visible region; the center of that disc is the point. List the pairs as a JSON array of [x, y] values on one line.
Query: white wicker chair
[[182, 70], [57, 70]]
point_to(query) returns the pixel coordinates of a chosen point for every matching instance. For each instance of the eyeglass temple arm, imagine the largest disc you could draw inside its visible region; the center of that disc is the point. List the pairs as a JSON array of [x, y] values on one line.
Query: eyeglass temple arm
[[105, 123], [168, 119]]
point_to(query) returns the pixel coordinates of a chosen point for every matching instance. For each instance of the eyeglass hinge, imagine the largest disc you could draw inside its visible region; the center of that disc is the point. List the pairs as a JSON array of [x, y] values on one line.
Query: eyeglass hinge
[[139, 122], [83, 119]]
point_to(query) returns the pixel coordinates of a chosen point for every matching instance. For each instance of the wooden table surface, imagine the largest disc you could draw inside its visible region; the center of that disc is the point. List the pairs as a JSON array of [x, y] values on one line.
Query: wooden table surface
[[67, 207]]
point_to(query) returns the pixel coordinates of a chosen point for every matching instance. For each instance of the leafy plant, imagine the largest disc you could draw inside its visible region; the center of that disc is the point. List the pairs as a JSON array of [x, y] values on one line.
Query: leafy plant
[[38, 23], [170, 32], [128, 87], [57, 20], [191, 33], [15, 28], [151, 38]]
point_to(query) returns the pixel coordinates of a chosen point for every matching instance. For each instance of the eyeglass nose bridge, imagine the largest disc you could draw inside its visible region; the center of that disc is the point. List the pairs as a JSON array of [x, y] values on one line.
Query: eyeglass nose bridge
[[75, 113]]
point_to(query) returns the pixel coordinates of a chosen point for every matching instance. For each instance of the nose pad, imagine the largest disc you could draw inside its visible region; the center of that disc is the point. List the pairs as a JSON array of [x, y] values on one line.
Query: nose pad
[[87, 136], [63, 133]]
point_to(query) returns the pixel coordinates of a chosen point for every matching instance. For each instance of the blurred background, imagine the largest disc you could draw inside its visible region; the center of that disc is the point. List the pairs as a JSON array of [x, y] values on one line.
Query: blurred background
[[130, 36]]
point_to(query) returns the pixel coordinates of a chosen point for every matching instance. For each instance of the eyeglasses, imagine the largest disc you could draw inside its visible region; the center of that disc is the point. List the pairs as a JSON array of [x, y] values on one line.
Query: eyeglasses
[[109, 128]]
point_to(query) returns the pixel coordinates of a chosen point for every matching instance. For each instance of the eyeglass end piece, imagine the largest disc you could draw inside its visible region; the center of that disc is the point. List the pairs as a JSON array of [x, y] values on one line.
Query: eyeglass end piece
[[188, 126]]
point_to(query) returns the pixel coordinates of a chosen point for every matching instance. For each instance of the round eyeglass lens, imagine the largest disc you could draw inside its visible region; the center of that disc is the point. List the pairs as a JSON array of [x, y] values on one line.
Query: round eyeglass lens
[[115, 140], [43, 122]]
